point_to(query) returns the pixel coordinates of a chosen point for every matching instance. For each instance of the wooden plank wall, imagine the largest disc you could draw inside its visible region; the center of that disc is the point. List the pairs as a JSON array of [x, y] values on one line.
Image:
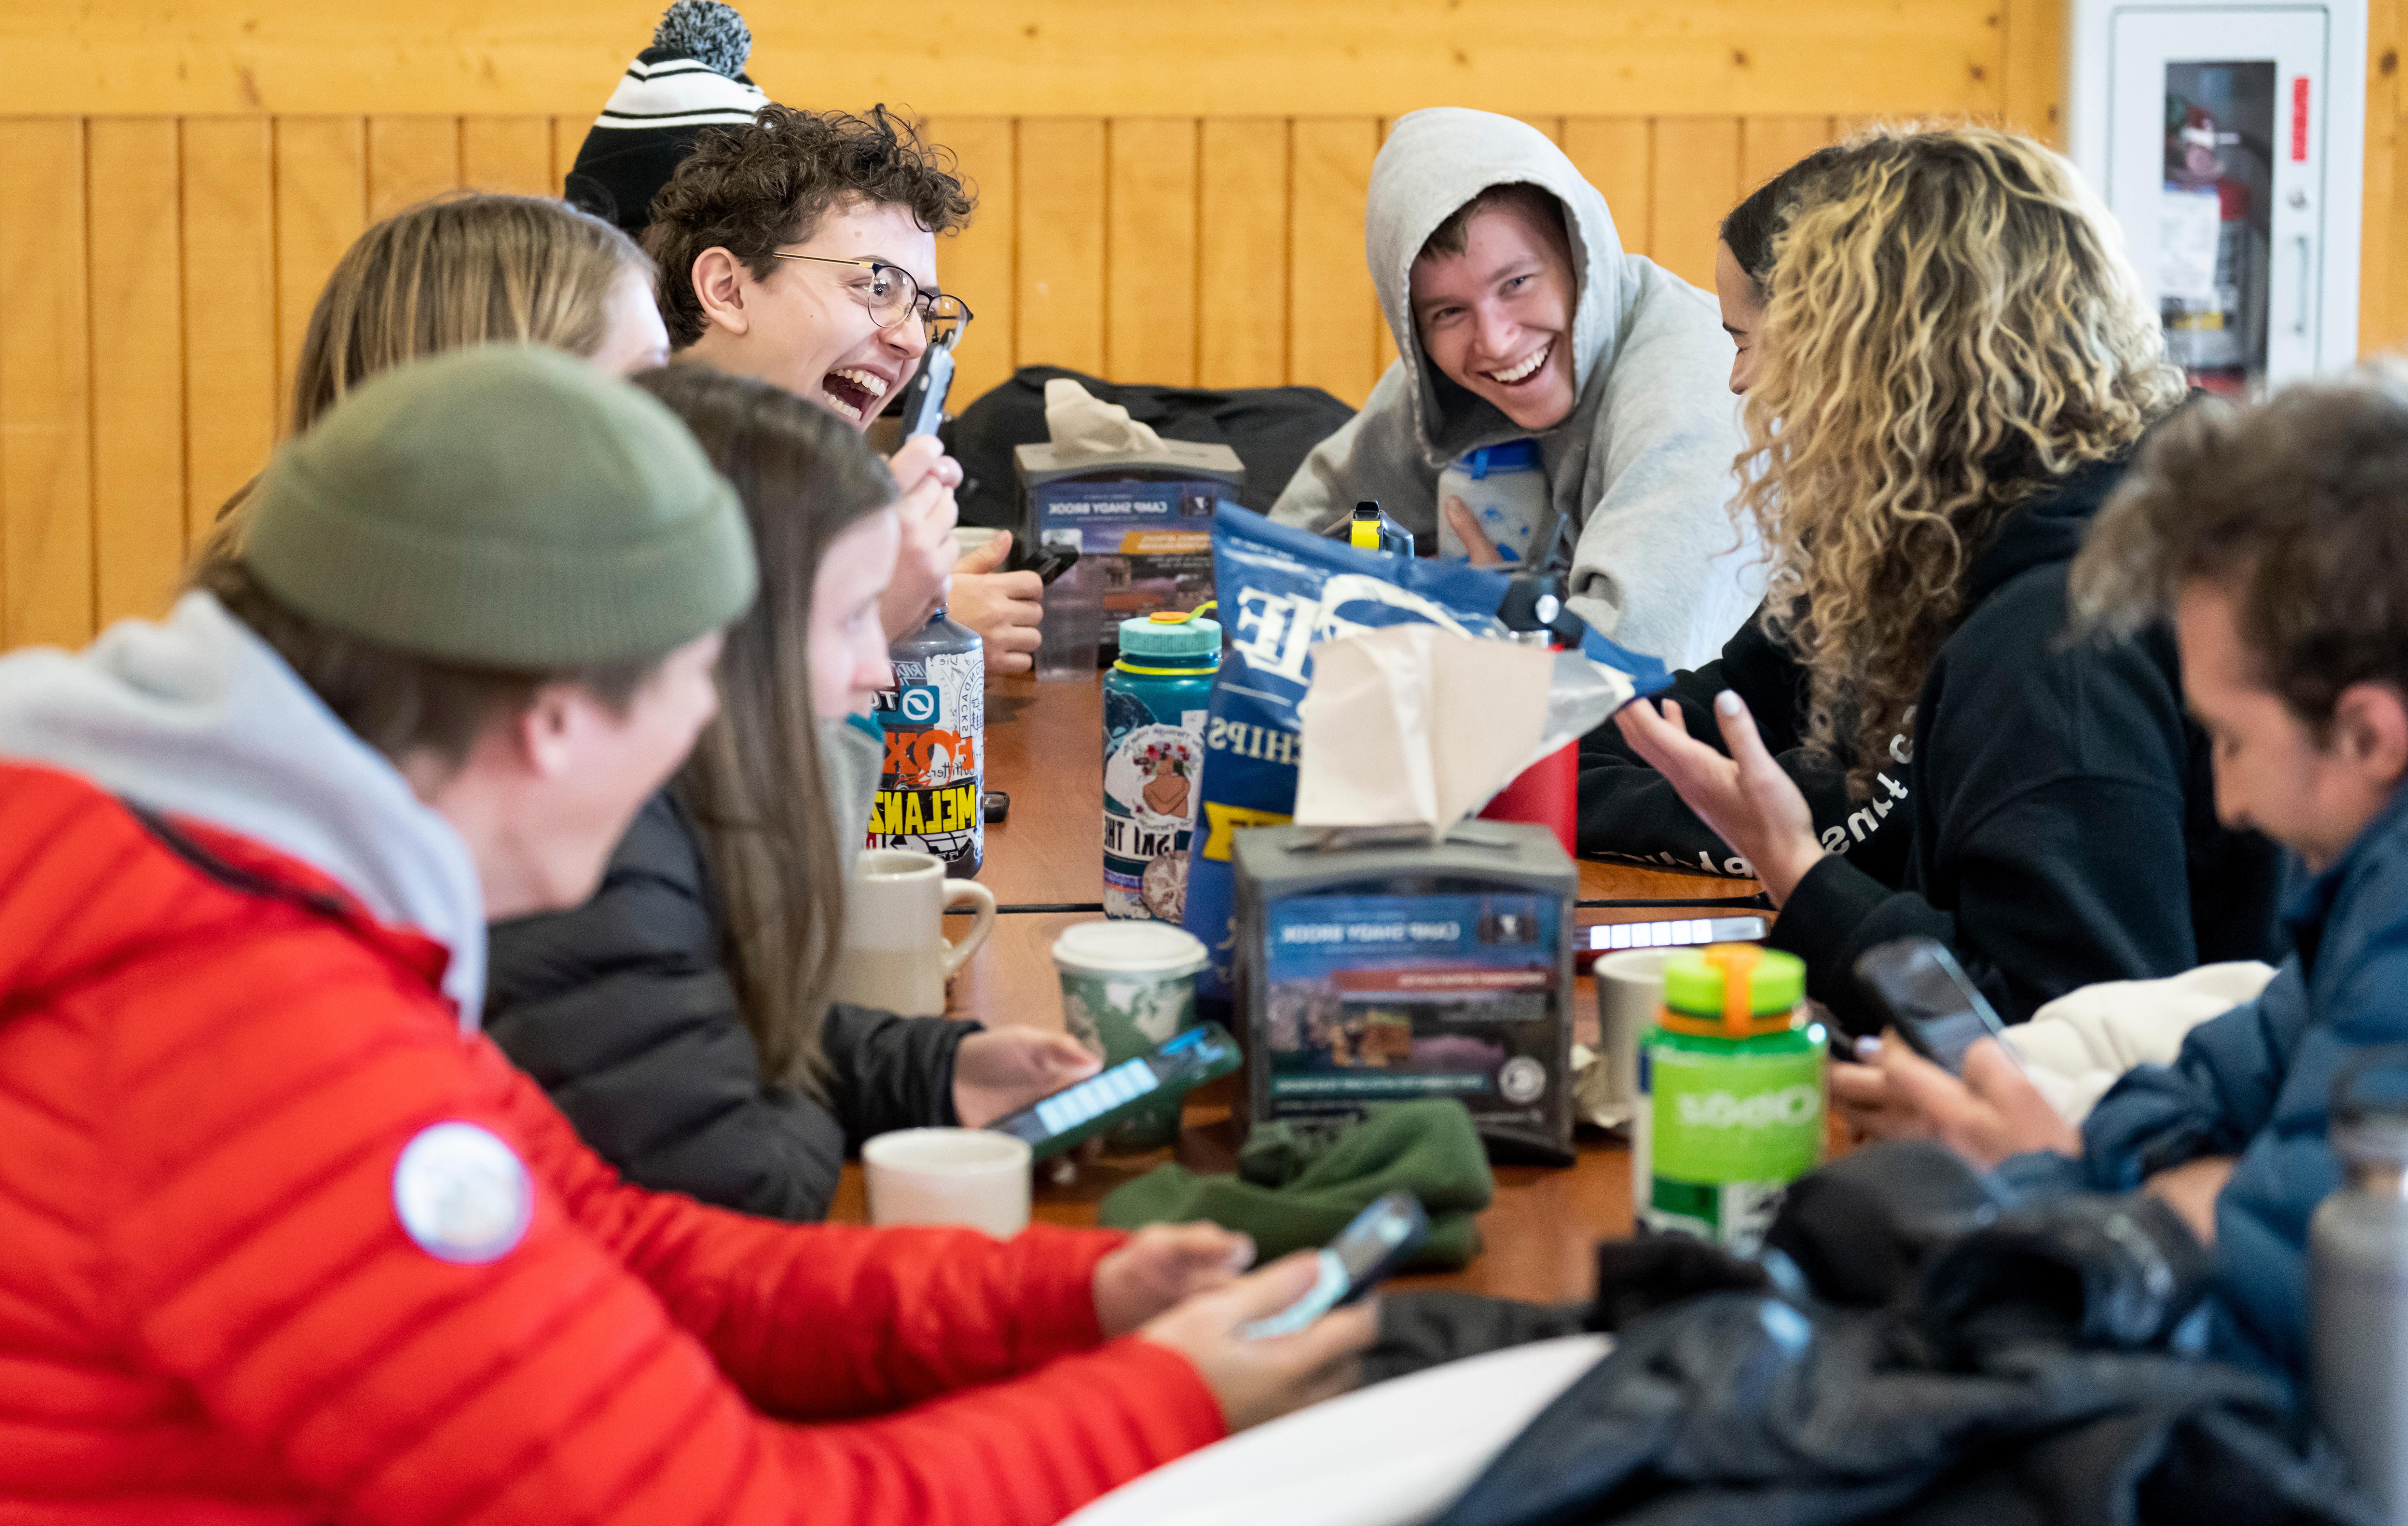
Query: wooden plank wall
[[148, 332]]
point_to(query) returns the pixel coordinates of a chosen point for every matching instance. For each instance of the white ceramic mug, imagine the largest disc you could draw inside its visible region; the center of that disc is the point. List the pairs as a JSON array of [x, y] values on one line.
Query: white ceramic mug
[[969, 1176], [895, 955], [1629, 993]]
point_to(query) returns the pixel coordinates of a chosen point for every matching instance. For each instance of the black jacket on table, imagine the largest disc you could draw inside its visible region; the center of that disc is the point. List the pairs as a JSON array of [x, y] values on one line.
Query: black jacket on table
[[1628, 812], [625, 1011], [2062, 804]]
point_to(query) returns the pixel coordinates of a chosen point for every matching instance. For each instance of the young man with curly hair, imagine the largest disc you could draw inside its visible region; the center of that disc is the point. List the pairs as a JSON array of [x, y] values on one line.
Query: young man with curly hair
[[802, 250]]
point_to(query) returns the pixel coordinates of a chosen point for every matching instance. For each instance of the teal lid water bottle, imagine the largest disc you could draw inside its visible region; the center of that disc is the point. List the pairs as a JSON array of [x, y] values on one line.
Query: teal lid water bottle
[[1154, 698], [1730, 1095]]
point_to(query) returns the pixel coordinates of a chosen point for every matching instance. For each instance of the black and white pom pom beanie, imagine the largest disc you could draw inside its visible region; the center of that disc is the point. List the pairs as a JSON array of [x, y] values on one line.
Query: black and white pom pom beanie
[[690, 78]]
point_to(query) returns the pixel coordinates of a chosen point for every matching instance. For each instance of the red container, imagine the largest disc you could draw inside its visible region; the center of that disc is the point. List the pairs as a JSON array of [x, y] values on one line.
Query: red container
[[1546, 794]]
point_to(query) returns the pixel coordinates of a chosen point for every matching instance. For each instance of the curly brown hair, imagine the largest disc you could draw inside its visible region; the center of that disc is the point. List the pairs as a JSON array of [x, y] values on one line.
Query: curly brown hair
[[1950, 329], [2293, 508], [748, 190]]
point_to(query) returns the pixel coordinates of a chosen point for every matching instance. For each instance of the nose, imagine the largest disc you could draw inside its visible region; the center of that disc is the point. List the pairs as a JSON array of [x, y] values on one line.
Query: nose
[[871, 670], [1494, 332], [910, 336]]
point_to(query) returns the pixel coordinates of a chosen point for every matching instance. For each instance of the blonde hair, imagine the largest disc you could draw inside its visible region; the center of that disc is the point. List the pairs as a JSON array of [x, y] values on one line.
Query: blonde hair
[[467, 269], [1951, 328], [460, 270]]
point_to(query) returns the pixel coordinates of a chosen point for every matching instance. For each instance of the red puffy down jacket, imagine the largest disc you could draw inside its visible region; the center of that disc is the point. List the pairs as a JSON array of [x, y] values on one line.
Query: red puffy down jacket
[[210, 1060]]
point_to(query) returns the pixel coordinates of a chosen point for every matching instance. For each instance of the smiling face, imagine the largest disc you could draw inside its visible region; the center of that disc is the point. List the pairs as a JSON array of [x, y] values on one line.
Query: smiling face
[[1742, 304], [1497, 319], [806, 327]]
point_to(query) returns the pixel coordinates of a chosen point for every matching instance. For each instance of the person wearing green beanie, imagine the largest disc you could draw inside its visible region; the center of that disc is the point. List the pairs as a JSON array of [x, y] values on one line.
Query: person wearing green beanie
[[270, 1194]]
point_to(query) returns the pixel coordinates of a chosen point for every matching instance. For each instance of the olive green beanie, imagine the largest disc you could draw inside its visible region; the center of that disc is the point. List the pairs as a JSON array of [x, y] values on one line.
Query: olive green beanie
[[503, 507]]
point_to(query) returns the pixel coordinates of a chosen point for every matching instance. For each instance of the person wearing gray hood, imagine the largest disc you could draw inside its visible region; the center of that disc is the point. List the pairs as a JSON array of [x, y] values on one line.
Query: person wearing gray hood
[[1517, 315]]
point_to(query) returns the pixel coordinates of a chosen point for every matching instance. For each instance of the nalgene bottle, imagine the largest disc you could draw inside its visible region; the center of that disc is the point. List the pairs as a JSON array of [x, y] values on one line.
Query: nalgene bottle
[[2358, 1322], [935, 722], [1505, 488], [1730, 1095], [1155, 700]]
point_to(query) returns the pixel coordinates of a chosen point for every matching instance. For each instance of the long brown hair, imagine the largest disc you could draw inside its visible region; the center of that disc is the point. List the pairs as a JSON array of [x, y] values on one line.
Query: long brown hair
[[755, 782], [1950, 330]]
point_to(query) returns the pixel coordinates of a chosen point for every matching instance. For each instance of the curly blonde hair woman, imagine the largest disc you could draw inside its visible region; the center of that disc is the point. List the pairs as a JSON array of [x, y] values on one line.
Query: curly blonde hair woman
[[1956, 363]]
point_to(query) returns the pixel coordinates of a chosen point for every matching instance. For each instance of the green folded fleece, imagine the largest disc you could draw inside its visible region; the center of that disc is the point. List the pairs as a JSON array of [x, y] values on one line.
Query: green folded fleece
[[1297, 1187]]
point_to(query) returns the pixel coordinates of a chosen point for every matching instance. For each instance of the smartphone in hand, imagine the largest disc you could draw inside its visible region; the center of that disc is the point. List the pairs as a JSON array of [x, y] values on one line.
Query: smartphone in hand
[[1926, 996], [1085, 1109], [1378, 1242]]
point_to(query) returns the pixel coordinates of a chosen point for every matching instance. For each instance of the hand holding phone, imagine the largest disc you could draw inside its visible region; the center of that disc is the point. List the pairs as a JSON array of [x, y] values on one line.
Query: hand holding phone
[[1380, 1239], [1926, 996], [1053, 1124], [1256, 1380]]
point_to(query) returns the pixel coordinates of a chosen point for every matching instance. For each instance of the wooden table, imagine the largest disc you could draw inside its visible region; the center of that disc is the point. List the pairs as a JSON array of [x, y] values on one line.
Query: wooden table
[[1044, 747]]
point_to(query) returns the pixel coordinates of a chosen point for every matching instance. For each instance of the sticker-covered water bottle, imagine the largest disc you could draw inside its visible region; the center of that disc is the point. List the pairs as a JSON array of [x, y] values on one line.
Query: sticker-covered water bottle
[[1730, 1095], [935, 725], [1154, 700]]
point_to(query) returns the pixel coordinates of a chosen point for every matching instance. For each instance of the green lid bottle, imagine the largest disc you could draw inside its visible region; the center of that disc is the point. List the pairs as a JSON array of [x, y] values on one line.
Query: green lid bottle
[[1730, 1095]]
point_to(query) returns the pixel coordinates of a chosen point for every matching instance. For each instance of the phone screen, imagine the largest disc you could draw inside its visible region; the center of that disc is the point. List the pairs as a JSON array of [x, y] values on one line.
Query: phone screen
[[1188, 1059], [1679, 933], [1375, 1243]]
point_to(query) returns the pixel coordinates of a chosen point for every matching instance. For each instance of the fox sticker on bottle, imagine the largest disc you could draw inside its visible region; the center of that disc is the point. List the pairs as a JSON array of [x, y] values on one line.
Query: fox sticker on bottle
[[935, 725]]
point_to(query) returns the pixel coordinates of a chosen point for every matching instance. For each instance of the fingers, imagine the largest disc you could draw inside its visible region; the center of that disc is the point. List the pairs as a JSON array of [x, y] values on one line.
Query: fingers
[[1271, 1290], [1336, 1339], [1739, 734], [1066, 1056], [986, 558], [914, 460], [1480, 550], [1912, 1080], [1858, 1086], [1206, 1246]]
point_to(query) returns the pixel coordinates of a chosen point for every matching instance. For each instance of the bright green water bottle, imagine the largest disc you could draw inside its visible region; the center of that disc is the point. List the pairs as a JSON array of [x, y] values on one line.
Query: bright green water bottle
[[1730, 1095]]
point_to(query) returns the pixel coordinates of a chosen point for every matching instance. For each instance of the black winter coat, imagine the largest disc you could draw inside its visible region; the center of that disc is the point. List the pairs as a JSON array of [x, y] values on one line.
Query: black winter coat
[[625, 1011], [2063, 803]]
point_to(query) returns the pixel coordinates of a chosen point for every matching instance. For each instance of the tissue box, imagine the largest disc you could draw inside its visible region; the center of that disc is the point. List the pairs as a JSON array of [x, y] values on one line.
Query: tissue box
[[1374, 974], [1144, 518]]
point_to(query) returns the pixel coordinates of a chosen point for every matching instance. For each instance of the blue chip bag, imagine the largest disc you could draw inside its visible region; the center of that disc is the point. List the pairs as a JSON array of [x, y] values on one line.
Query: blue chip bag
[[1281, 590]]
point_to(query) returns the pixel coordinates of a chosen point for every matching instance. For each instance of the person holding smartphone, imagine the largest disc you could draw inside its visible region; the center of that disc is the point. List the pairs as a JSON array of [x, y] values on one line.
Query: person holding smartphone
[[2273, 539], [801, 249]]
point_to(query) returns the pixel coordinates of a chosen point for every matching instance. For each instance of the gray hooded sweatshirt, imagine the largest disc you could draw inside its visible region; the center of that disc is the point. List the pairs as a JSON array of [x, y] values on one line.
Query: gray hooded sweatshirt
[[1639, 473], [197, 717]]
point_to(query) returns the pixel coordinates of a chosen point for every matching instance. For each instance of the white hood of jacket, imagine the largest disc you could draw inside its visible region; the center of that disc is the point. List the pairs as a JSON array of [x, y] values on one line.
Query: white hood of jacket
[[197, 717]]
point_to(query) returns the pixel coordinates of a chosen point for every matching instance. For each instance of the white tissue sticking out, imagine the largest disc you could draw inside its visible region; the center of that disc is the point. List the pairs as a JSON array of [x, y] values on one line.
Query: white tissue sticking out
[[1413, 726], [1082, 424]]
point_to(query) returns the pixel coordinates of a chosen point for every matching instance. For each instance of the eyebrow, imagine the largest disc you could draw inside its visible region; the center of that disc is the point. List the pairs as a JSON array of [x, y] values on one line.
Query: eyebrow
[[926, 288]]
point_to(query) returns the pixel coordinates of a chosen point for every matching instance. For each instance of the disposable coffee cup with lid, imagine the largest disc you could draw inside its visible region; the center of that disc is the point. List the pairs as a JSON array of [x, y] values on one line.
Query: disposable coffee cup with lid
[[1128, 988]]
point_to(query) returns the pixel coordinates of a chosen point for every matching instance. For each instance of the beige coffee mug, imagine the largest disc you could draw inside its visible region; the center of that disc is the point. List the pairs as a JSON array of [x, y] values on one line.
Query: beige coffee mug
[[1629, 993], [971, 1176], [895, 955]]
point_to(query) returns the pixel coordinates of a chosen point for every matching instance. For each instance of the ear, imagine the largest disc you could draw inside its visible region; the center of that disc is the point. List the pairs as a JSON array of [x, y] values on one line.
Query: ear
[[720, 283], [2370, 730], [543, 737]]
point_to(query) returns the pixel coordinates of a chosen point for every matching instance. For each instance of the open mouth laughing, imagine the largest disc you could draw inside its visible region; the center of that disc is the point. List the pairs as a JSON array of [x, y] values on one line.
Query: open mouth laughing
[[1514, 376], [855, 393]]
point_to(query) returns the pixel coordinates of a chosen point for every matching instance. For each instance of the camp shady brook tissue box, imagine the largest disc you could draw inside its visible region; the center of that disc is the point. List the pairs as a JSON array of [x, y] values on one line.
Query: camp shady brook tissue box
[[1413, 968]]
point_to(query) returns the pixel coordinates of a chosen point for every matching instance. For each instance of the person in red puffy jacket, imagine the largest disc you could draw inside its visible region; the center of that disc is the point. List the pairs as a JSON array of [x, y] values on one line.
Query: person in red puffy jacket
[[287, 1240]]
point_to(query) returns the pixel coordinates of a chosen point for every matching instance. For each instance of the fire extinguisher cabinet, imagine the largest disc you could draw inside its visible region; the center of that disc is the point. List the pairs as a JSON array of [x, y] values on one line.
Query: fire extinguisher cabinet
[[2229, 140]]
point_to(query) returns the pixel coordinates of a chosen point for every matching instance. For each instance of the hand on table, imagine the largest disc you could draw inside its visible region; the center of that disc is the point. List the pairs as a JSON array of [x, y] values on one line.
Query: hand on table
[[1477, 548], [1745, 799], [1002, 606], [1259, 1380], [1005, 1069], [924, 479], [1993, 1113], [1161, 1267]]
